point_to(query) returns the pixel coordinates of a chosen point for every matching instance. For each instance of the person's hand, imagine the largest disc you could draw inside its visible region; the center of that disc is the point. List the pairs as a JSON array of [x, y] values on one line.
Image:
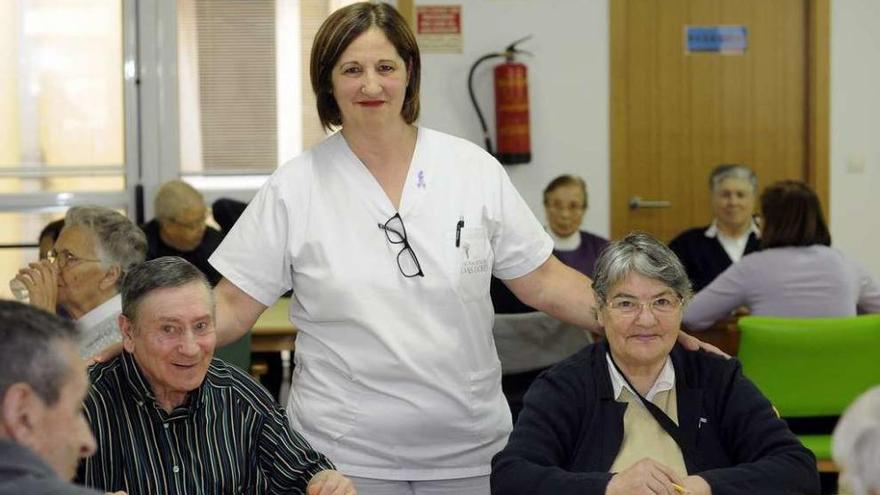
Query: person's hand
[[330, 482], [646, 477], [41, 280], [731, 323], [741, 311], [106, 354], [696, 485], [692, 343]]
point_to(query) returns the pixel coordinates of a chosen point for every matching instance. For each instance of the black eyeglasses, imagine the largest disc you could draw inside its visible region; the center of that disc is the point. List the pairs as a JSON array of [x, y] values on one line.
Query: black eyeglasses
[[406, 259]]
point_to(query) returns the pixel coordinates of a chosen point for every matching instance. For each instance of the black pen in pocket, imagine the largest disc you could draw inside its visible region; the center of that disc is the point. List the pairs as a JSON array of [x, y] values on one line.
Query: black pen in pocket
[[458, 227]]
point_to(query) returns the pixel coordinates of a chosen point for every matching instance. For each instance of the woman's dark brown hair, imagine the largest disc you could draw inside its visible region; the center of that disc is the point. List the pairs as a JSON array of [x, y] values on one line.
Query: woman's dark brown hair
[[792, 216], [343, 27]]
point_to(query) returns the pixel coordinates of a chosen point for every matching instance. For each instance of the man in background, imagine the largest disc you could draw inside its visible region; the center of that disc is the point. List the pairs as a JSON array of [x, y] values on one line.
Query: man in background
[[180, 228]]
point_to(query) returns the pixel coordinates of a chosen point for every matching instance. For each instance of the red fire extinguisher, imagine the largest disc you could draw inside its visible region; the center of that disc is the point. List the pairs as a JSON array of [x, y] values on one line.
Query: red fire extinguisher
[[511, 106]]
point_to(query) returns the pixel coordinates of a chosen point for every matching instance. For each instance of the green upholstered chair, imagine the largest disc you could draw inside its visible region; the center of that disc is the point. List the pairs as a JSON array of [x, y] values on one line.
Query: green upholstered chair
[[811, 367], [237, 353]]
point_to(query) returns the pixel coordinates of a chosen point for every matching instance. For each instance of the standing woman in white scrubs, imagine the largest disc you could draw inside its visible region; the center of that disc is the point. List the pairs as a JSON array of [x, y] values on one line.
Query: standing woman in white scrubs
[[388, 234]]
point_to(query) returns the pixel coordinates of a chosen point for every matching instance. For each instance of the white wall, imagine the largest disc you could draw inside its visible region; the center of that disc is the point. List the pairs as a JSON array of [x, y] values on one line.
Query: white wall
[[568, 87], [855, 135], [568, 90]]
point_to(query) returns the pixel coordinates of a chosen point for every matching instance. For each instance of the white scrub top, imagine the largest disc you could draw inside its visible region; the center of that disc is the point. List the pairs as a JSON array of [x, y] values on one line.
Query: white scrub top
[[396, 377]]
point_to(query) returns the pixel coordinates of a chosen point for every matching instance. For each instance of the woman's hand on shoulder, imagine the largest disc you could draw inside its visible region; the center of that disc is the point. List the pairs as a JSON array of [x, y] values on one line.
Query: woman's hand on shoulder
[[692, 343], [645, 477], [106, 354], [330, 482]]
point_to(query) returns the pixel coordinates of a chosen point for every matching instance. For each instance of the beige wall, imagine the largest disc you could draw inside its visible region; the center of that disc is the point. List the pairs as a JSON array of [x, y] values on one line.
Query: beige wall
[[855, 134]]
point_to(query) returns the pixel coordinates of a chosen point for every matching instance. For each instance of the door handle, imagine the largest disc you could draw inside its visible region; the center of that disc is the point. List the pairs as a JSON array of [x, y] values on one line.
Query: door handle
[[637, 202]]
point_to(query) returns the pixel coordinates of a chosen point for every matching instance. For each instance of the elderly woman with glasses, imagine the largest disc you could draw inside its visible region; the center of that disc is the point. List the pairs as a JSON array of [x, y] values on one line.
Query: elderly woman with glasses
[[637, 414], [84, 271], [530, 341]]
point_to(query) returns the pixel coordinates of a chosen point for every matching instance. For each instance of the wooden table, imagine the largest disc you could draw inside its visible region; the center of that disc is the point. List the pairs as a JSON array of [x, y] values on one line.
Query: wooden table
[[273, 331], [724, 334]]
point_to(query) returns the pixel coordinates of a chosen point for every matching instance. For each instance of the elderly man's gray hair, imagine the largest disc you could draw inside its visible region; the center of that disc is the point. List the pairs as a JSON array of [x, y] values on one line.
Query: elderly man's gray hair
[[160, 273], [31, 351], [642, 254], [119, 240], [732, 171], [856, 445]]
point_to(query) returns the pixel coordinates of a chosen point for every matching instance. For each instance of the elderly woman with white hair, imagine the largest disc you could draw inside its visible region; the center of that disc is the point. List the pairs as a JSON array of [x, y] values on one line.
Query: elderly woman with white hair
[[856, 445], [638, 414], [707, 251], [84, 271]]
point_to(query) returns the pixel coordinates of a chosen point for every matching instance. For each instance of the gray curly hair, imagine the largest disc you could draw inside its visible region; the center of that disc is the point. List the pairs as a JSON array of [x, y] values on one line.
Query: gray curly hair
[[732, 171], [118, 240], [639, 253], [856, 444]]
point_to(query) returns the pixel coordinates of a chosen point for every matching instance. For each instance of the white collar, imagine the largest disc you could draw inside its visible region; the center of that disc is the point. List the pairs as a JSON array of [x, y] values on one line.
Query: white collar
[[713, 231], [665, 380], [101, 312], [569, 243]]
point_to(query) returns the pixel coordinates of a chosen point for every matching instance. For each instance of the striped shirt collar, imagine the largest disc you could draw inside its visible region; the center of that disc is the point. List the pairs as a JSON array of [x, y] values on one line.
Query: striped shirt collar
[[140, 387]]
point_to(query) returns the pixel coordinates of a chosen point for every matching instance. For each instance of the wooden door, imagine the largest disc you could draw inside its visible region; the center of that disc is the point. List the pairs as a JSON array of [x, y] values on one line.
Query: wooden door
[[676, 115]]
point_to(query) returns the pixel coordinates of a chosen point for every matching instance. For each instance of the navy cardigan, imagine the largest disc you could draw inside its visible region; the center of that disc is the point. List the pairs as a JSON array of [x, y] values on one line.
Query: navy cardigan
[[704, 258], [571, 428]]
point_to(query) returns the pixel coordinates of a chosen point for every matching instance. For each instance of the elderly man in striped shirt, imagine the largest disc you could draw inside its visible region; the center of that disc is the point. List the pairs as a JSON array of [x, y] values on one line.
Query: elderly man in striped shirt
[[170, 419]]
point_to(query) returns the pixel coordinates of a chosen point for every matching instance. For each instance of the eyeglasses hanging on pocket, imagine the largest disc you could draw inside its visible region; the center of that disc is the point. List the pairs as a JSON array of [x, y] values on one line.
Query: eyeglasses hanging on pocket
[[407, 261]]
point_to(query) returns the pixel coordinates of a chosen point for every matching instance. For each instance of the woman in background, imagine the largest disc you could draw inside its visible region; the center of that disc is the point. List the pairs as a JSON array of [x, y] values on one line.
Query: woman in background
[[705, 252], [528, 340], [566, 202], [796, 274]]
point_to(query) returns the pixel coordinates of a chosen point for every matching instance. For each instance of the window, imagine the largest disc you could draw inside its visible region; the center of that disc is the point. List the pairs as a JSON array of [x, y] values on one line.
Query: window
[[62, 132], [245, 101]]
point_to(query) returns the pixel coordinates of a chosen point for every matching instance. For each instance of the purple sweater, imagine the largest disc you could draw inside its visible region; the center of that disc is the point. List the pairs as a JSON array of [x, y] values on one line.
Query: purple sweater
[[813, 281]]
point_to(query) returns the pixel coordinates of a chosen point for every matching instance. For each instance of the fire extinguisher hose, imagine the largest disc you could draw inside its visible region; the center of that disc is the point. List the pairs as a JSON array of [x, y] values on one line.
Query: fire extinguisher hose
[[480, 60]]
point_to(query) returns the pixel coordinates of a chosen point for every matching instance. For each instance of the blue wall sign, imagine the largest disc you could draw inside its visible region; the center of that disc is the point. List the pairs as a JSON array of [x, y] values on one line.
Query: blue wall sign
[[716, 39]]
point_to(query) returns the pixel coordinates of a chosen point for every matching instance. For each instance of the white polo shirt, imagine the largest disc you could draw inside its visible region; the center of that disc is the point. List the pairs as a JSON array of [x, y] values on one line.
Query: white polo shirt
[[396, 377], [735, 247], [99, 328]]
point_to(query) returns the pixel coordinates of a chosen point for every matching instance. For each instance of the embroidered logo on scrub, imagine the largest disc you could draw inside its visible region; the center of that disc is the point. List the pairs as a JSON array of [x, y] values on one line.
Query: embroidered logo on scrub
[[420, 180], [473, 266]]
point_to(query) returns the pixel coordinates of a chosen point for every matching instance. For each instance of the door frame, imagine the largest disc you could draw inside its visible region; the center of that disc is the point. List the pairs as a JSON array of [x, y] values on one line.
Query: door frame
[[819, 100], [816, 168]]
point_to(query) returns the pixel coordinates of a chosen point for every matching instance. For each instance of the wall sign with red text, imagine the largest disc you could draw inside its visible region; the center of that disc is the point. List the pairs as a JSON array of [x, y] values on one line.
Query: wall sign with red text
[[438, 28]]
